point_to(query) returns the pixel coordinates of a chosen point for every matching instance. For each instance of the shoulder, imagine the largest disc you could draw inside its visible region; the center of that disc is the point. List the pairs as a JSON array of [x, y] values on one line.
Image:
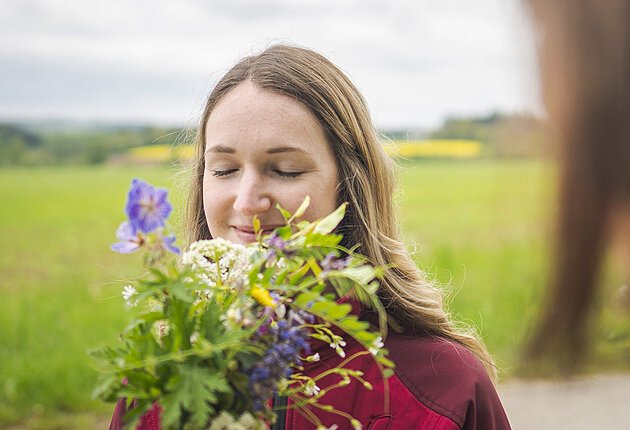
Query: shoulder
[[447, 378]]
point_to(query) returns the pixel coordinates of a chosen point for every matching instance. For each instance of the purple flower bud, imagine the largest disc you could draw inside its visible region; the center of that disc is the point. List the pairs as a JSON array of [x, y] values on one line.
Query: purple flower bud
[[278, 246], [286, 339], [275, 241], [332, 262]]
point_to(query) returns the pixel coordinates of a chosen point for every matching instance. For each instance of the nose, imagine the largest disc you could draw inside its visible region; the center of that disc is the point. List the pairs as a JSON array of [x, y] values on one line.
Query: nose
[[252, 197]]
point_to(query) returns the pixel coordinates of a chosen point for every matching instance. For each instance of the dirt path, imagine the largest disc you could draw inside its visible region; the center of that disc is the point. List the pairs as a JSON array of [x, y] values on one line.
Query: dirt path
[[599, 402]]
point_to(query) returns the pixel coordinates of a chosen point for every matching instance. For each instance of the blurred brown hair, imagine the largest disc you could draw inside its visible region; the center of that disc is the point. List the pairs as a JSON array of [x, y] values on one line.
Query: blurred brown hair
[[585, 67]]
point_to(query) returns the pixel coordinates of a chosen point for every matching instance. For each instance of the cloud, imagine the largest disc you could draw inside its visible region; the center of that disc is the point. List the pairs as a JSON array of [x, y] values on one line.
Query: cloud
[[415, 61]]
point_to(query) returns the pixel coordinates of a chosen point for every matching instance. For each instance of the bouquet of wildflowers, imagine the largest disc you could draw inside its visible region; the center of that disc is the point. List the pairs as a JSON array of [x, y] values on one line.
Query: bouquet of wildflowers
[[222, 328]]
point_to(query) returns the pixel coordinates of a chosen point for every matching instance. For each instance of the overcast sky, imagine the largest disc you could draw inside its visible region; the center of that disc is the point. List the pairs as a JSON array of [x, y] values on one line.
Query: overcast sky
[[131, 61]]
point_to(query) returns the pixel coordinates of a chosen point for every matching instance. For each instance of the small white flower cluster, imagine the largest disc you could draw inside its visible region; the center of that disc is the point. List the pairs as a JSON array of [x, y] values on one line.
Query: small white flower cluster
[[128, 293], [194, 337], [377, 344], [219, 257], [238, 315], [311, 388], [337, 344], [226, 421], [313, 358]]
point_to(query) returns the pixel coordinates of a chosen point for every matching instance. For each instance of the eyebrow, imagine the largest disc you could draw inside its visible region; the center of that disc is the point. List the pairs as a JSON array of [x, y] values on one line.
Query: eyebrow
[[219, 149], [280, 149]]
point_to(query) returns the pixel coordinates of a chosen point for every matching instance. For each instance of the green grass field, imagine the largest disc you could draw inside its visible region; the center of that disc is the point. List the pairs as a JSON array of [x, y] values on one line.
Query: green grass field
[[481, 228]]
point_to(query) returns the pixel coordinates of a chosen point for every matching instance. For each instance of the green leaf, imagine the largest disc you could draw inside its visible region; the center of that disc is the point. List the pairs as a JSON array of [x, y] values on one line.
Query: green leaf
[[285, 213], [300, 211], [331, 310], [105, 353], [328, 241], [353, 324], [298, 274], [329, 222], [211, 325], [267, 275], [161, 277], [284, 232], [182, 292], [304, 299], [195, 391], [106, 388], [362, 275]]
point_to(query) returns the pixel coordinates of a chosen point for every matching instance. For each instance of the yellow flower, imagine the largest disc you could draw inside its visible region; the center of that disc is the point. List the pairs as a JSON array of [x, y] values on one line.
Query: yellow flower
[[262, 296]]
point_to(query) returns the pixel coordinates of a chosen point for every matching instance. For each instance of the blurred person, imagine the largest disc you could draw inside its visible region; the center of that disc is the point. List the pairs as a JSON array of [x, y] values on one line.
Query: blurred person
[[287, 123], [585, 67]]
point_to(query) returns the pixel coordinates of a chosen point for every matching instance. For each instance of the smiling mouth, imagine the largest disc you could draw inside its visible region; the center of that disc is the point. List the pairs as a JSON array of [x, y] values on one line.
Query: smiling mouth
[[247, 232]]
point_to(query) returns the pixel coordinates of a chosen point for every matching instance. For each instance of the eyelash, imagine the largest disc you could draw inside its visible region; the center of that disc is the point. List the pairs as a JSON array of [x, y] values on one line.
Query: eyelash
[[288, 174], [221, 173]]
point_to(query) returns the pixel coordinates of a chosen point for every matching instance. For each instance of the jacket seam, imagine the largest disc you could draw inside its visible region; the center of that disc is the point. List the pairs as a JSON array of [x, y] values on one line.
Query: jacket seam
[[432, 405]]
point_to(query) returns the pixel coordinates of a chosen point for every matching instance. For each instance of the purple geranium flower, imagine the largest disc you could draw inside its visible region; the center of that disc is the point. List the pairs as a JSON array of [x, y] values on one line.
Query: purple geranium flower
[[130, 240], [147, 206]]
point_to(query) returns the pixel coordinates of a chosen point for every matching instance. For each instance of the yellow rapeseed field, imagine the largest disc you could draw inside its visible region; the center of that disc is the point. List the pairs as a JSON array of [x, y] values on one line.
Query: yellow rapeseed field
[[160, 153], [443, 148]]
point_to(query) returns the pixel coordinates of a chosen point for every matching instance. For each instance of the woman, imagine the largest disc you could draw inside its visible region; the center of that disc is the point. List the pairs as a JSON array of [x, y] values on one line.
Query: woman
[[288, 123], [585, 67]]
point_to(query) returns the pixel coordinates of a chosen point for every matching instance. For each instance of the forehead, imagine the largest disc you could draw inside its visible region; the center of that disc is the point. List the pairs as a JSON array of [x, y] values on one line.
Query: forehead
[[249, 114]]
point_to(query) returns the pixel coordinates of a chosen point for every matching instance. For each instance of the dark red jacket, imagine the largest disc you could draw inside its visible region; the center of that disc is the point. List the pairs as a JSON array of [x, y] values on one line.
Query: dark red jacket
[[437, 385]]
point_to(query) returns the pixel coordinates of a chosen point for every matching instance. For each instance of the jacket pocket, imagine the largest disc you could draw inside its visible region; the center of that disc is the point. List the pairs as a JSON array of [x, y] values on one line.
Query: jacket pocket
[[381, 422]]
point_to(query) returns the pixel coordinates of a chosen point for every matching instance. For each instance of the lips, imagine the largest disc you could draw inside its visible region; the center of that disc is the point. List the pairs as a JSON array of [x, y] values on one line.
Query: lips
[[246, 232], [250, 229]]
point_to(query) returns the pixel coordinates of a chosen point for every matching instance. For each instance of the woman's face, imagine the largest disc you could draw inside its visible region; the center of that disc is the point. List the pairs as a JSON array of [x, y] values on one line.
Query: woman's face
[[264, 149]]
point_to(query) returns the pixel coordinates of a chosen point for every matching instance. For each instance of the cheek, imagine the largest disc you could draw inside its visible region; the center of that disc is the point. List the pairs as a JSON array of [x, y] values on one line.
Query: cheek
[[211, 203], [323, 200]]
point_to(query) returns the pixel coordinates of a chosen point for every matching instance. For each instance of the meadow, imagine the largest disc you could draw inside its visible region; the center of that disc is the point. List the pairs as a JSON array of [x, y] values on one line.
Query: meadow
[[481, 228]]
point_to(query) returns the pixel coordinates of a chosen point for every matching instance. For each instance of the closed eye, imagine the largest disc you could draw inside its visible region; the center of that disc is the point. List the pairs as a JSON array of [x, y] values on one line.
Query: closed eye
[[219, 173], [286, 174]]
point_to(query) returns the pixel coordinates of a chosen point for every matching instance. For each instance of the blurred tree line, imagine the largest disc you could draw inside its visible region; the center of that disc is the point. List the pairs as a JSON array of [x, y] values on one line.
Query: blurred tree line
[[28, 144], [503, 136]]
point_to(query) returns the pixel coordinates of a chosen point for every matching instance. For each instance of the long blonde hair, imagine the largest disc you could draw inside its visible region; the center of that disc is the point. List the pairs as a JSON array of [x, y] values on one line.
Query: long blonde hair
[[367, 181]]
